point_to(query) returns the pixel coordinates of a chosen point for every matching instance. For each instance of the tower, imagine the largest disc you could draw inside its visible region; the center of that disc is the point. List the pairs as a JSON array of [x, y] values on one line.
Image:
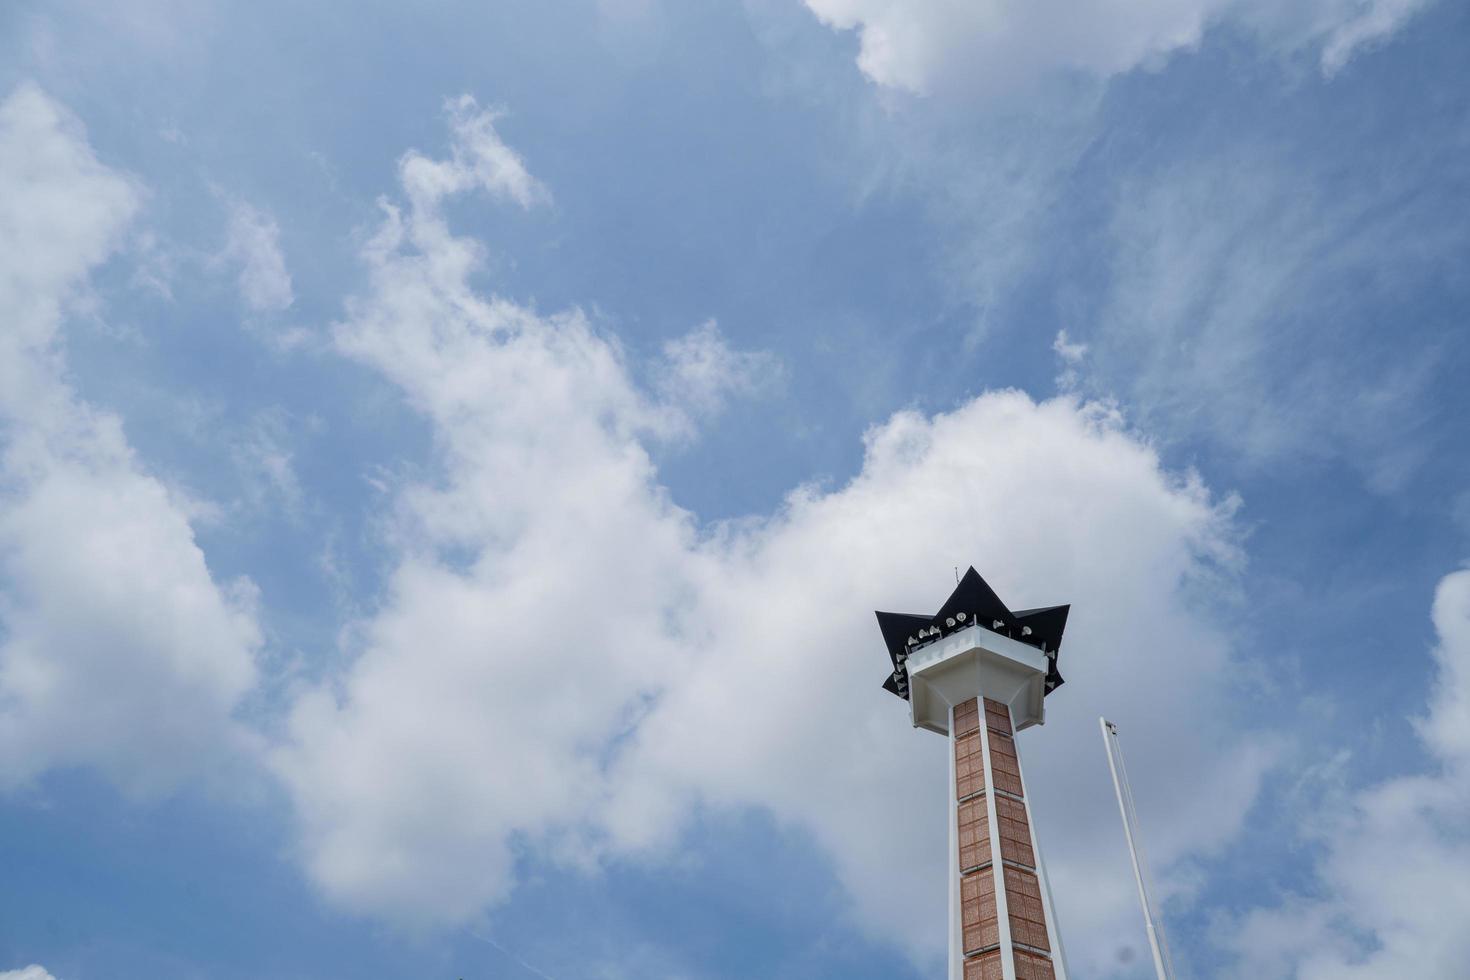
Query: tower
[[980, 674]]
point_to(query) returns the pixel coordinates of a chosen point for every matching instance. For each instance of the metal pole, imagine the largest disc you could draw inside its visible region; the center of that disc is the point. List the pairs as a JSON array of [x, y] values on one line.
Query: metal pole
[[1125, 797]]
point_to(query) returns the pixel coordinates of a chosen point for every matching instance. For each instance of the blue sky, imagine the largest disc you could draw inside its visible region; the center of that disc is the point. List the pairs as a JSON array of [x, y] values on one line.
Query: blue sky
[[449, 458]]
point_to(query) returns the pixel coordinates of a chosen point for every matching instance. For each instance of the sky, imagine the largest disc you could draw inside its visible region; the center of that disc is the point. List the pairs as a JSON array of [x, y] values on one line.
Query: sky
[[450, 456]]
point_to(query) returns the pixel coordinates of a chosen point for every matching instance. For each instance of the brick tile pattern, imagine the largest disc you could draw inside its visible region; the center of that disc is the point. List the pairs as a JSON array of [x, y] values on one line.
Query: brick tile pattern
[[974, 834], [978, 913], [1024, 909], [1007, 769], [997, 717], [984, 967], [967, 717], [1029, 966], [1015, 832], [969, 766]]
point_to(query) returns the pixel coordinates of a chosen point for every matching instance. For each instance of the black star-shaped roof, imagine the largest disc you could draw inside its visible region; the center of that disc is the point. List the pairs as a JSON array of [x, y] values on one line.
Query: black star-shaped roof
[[971, 602]]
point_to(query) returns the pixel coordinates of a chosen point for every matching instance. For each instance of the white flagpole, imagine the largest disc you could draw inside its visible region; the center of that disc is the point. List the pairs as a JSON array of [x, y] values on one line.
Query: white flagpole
[[1130, 820]]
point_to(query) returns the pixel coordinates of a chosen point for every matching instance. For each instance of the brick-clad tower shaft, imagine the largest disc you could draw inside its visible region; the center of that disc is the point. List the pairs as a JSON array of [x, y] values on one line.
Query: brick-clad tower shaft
[[1005, 927], [978, 673]]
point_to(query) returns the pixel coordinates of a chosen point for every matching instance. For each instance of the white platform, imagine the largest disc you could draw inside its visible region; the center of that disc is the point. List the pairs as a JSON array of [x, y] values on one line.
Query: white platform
[[976, 662]]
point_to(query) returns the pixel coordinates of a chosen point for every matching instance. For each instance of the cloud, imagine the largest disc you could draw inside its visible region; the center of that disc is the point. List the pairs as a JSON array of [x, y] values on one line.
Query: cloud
[[532, 580], [479, 160], [566, 663], [1070, 354], [32, 972], [264, 454], [1395, 864], [1345, 29], [701, 372], [117, 648], [255, 246], [998, 46], [1242, 305]]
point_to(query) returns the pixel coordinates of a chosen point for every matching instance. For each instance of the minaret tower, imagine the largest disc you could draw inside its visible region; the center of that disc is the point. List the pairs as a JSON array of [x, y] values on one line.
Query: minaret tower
[[979, 673]]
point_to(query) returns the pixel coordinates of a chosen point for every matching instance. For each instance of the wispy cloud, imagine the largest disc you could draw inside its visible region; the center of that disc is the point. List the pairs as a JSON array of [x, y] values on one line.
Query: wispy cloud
[[254, 249], [1232, 312], [509, 955]]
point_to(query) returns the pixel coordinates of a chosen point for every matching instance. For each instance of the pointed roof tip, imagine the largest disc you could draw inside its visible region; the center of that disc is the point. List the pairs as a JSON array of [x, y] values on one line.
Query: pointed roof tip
[[897, 628], [974, 595], [970, 578], [1046, 623]]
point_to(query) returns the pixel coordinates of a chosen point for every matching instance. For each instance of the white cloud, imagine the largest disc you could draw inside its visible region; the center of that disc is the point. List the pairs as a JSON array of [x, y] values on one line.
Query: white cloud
[[700, 371], [1345, 28], [1395, 868], [61, 213], [997, 46], [565, 662], [1071, 355], [32, 972], [479, 160], [535, 419], [254, 244], [118, 650], [1446, 729]]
